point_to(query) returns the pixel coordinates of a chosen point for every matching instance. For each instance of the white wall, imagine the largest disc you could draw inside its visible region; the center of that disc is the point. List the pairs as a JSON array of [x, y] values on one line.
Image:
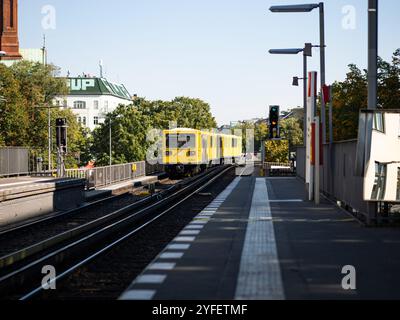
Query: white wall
[[385, 148], [90, 112]]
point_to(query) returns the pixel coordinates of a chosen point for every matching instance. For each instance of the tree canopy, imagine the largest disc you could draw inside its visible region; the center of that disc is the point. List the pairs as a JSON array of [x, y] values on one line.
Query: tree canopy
[[131, 124], [351, 95], [28, 89]]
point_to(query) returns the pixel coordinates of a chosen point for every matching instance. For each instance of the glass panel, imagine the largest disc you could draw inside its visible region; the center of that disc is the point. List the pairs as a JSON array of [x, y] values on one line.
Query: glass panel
[[378, 191], [378, 122], [180, 141]]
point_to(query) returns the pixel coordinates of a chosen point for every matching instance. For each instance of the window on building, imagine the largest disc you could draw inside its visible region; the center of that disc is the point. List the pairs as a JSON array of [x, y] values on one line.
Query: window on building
[[79, 120], [79, 105], [96, 104], [398, 184], [234, 143], [105, 106], [57, 103], [65, 104], [96, 121], [378, 191], [379, 123], [84, 121]]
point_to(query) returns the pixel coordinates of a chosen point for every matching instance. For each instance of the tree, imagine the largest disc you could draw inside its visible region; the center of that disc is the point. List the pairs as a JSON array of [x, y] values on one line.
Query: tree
[[277, 151], [186, 112], [28, 89], [14, 119], [129, 128], [291, 130], [130, 125], [351, 95]]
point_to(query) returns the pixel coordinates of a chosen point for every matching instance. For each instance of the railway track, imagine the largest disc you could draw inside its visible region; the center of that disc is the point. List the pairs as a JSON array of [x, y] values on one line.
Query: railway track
[[21, 271]]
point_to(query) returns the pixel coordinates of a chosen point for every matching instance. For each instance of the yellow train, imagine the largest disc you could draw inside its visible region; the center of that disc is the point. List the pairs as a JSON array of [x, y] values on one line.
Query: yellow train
[[191, 151]]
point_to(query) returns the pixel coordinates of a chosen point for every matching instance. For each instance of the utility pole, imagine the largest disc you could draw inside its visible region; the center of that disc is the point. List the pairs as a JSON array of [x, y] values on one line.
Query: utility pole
[[322, 60], [372, 77], [372, 54], [49, 137]]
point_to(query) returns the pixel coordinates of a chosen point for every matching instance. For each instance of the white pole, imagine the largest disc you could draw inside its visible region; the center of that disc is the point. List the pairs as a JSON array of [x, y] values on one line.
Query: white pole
[[311, 110], [316, 161]]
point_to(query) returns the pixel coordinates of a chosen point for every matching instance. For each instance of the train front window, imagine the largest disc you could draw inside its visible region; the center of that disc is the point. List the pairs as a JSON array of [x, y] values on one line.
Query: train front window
[[180, 141]]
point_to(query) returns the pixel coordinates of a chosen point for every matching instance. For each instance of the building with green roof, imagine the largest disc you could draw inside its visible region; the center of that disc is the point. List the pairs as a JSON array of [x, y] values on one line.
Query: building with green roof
[[91, 98]]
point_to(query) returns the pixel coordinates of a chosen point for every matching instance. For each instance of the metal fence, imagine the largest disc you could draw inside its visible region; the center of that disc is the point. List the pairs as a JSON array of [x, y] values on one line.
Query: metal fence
[[103, 176], [14, 161], [343, 184]]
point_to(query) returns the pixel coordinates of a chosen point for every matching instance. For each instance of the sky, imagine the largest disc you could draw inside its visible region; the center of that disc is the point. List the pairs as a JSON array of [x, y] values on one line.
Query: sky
[[215, 50]]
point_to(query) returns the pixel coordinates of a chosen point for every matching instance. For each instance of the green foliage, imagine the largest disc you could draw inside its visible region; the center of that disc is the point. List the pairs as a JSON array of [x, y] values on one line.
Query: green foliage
[[277, 151], [291, 130], [185, 112], [130, 125], [29, 89], [351, 95], [291, 134]]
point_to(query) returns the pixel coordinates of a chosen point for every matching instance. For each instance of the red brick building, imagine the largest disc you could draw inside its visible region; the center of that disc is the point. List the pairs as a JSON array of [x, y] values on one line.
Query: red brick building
[[9, 29]]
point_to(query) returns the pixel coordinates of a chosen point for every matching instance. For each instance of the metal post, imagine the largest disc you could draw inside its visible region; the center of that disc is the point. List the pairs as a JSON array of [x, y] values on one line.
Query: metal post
[[317, 166], [372, 54], [49, 139], [372, 77], [330, 172], [322, 57], [110, 151], [305, 98]]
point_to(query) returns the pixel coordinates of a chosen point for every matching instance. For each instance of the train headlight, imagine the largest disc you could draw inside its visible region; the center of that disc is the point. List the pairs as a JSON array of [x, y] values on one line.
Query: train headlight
[[191, 153]]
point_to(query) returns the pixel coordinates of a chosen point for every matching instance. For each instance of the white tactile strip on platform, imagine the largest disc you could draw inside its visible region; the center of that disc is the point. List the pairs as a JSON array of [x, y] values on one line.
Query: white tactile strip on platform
[[259, 274], [153, 274]]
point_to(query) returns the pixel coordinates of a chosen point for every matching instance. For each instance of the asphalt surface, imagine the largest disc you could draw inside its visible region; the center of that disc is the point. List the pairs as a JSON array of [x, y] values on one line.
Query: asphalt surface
[[313, 244]]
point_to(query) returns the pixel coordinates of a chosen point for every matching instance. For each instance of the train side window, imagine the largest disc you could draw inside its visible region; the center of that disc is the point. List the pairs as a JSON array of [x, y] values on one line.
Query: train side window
[[234, 143]]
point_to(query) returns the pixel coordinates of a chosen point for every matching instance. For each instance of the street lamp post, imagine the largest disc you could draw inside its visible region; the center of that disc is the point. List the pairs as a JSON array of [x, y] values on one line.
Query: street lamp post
[[372, 53], [49, 135], [302, 8]]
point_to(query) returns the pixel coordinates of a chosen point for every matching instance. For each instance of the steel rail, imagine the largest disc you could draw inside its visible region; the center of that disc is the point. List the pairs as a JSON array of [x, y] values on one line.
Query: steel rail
[[116, 221]]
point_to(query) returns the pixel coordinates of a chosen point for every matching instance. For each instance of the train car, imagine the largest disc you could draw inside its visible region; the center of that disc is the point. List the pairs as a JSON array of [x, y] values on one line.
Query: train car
[[190, 151]]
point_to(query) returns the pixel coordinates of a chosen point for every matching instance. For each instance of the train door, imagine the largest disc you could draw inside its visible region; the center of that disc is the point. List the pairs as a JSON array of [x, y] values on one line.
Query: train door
[[204, 149], [221, 149]]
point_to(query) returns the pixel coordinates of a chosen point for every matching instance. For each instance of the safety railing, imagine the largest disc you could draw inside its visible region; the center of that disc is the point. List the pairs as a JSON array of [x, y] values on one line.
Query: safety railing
[[103, 176]]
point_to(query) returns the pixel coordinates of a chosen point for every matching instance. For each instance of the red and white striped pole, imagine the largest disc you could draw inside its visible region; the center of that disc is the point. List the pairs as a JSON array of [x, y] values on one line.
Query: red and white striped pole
[[311, 113]]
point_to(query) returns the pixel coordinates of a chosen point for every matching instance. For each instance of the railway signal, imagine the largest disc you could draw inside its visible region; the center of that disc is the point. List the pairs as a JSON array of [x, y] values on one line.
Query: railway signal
[[61, 134], [62, 145], [274, 122]]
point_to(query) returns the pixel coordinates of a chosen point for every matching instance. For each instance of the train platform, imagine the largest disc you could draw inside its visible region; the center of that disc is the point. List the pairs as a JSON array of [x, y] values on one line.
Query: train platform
[[24, 198], [122, 187], [260, 240], [10, 183]]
